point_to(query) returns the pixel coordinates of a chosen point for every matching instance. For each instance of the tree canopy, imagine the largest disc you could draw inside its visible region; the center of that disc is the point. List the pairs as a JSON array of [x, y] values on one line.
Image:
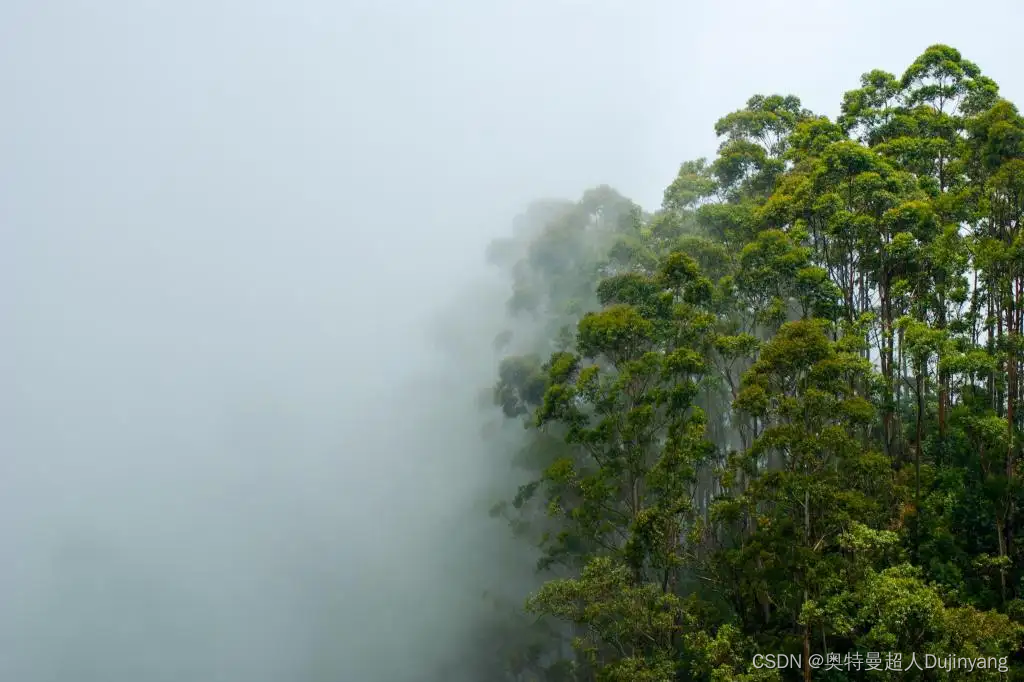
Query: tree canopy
[[781, 413]]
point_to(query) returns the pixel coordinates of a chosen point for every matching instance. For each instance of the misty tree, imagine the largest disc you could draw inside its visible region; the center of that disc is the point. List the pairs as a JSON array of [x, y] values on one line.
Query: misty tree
[[781, 413]]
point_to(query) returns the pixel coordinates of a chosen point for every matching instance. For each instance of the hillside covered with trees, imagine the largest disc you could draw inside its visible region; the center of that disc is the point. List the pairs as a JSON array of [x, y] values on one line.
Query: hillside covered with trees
[[781, 413]]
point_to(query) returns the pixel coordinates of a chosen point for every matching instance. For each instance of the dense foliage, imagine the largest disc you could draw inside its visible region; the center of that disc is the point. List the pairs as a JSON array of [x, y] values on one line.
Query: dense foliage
[[782, 413]]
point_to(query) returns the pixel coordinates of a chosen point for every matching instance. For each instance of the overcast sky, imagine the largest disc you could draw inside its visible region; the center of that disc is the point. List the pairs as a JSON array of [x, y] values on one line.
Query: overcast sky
[[223, 225]]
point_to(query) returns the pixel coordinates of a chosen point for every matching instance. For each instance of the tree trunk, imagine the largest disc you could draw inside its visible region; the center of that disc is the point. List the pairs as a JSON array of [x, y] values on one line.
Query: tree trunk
[[807, 626], [807, 649], [1000, 528], [917, 461]]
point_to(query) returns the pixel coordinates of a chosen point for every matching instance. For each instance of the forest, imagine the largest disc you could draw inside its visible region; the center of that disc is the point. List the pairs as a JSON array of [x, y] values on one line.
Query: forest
[[780, 414]]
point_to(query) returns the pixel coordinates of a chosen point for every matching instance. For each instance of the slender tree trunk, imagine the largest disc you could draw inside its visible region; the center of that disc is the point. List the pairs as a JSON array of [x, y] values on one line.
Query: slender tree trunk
[[1001, 534], [888, 343], [807, 649], [1014, 331], [990, 342], [943, 378], [807, 626], [917, 460]]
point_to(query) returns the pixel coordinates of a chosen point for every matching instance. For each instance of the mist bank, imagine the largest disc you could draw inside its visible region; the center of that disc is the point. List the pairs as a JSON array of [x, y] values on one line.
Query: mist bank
[[192, 496]]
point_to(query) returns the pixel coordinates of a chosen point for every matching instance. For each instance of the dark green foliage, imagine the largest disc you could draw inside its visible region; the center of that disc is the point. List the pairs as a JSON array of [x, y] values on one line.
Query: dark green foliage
[[782, 414]]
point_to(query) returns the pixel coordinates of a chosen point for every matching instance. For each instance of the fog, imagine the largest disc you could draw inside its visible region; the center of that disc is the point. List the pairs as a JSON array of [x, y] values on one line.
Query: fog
[[245, 309]]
